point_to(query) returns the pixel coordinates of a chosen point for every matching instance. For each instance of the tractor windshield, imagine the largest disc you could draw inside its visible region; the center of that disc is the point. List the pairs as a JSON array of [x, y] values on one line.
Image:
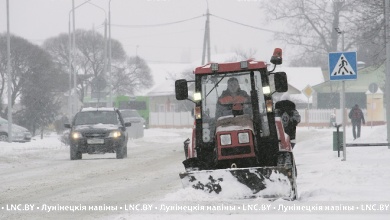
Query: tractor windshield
[[215, 88], [226, 96]]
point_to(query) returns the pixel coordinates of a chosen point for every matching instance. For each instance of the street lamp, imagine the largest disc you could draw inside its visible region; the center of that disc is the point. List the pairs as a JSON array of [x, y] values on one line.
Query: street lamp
[[109, 54], [71, 56], [342, 37], [9, 89], [105, 50]]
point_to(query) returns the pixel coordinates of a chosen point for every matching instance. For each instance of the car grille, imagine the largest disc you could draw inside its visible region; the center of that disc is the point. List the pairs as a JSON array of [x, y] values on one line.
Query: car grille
[[95, 134]]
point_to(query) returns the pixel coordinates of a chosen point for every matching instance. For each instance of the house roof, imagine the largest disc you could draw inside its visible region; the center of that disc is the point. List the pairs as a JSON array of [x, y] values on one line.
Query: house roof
[[300, 77], [164, 76]]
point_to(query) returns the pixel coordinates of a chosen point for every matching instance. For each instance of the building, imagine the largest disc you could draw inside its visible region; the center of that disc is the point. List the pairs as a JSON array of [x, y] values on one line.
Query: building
[[327, 93]]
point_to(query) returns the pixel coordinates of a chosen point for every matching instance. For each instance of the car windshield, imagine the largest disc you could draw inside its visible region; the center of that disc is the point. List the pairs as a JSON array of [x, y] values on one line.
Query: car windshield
[[96, 117], [3, 121], [127, 114]]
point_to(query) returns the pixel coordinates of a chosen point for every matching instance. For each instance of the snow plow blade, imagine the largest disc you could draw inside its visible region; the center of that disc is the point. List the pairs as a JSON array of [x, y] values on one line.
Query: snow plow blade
[[266, 182]]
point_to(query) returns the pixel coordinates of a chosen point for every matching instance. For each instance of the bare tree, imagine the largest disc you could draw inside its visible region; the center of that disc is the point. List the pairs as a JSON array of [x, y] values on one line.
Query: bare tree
[[90, 58], [371, 28], [132, 76], [35, 81], [311, 27], [245, 55], [26, 59]]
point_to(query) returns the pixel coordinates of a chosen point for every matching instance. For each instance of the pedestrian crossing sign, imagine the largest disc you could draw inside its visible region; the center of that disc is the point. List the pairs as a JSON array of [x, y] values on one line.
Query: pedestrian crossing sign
[[342, 66]]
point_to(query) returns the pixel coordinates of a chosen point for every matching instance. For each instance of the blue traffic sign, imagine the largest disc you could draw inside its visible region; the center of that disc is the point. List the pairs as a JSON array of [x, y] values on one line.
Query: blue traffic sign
[[342, 66]]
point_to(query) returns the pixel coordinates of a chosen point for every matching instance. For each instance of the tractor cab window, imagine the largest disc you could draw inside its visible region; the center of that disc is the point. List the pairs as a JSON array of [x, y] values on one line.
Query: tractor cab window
[[224, 96]]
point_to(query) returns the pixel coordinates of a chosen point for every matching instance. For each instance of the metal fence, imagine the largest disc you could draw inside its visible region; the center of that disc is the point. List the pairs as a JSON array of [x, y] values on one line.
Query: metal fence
[[322, 117], [311, 117], [171, 120]]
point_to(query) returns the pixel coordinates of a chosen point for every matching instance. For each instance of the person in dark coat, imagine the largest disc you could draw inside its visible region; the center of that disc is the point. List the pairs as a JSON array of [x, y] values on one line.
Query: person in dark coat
[[357, 117], [232, 100], [290, 117]]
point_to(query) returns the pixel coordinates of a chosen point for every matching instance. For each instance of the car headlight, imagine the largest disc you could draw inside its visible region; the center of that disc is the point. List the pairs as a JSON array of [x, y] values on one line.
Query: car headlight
[[76, 135], [243, 138], [115, 134], [226, 139]]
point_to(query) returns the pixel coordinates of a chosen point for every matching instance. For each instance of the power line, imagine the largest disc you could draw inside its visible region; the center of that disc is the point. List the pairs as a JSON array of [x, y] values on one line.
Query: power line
[[263, 29], [246, 25], [216, 16], [156, 25]]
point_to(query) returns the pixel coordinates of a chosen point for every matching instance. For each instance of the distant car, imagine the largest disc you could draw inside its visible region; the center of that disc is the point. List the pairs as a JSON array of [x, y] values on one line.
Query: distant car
[[97, 131], [137, 122], [19, 133]]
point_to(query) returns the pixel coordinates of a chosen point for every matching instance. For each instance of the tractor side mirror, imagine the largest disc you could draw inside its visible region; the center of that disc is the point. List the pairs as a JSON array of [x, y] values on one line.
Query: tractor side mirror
[[181, 89], [280, 80]]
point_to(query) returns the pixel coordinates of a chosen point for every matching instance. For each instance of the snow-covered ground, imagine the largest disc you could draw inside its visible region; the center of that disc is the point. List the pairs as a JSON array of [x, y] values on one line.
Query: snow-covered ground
[[38, 181]]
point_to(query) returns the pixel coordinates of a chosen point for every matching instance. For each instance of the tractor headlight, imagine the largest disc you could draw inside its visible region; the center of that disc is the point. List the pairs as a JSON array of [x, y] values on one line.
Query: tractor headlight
[[76, 135], [115, 134], [197, 96], [243, 138], [266, 90], [226, 139]]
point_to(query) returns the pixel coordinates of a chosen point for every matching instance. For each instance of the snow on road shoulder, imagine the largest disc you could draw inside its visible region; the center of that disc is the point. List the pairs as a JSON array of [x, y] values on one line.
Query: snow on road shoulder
[[47, 148], [323, 180], [359, 178]]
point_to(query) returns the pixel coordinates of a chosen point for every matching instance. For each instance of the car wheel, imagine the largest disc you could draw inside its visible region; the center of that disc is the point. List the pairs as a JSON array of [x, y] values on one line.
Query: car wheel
[[120, 152], [74, 153], [3, 137]]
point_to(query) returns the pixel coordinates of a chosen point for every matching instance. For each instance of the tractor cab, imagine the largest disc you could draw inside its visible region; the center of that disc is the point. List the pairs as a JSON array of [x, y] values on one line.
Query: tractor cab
[[228, 122], [235, 123]]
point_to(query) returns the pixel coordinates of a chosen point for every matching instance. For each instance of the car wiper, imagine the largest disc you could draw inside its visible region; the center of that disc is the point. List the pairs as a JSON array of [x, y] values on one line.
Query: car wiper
[[215, 86]]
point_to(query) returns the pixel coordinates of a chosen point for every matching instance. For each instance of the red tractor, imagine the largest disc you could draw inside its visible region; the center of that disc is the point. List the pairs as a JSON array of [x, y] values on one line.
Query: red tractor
[[238, 136]]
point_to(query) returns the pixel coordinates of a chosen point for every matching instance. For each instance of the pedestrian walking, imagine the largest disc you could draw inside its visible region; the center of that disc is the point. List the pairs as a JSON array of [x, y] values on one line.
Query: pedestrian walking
[[357, 117]]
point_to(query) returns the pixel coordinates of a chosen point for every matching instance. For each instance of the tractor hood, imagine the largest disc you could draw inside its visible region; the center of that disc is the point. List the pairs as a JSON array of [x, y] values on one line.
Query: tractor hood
[[231, 123]]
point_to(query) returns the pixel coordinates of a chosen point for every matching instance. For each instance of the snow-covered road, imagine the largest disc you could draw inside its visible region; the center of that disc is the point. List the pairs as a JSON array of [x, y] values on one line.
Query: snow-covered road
[[41, 173], [38, 181]]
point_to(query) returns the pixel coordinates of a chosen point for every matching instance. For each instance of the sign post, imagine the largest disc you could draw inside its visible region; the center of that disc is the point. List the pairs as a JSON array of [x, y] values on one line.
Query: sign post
[[343, 66], [373, 88], [308, 91]]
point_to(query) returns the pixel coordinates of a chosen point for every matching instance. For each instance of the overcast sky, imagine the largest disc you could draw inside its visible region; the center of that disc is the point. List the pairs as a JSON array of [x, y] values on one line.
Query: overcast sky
[[38, 20]]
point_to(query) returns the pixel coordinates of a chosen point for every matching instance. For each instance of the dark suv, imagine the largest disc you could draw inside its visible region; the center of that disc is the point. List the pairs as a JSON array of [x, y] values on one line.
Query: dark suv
[[97, 131]]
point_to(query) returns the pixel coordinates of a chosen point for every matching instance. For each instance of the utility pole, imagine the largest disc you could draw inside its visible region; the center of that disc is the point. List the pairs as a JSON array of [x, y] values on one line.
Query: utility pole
[[70, 113], [76, 99], [9, 74], [206, 39], [387, 85], [105, 58]]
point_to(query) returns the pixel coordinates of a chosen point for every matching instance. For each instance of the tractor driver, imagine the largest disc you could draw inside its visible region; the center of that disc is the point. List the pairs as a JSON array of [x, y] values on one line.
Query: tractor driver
[[232, 99]]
